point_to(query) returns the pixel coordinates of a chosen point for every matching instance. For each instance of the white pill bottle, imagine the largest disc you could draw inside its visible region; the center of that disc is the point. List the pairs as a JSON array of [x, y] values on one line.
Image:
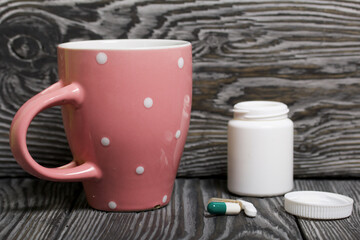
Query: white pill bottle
[[260, 149]]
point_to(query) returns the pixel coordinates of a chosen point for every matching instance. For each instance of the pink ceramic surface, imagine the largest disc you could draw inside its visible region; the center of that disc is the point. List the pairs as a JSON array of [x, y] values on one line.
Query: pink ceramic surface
[[126, 111]]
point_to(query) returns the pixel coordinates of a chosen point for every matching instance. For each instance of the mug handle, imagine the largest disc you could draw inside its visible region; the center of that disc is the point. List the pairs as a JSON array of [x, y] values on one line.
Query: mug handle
[[56, 94]]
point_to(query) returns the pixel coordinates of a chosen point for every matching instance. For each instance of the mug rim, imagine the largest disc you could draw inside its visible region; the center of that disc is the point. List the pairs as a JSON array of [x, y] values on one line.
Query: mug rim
[[124, 44]]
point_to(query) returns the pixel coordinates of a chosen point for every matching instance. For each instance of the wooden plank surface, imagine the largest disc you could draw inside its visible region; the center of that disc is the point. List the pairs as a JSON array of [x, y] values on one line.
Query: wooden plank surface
[[184, 218], [347, 228], [34, 209], [303, 53]]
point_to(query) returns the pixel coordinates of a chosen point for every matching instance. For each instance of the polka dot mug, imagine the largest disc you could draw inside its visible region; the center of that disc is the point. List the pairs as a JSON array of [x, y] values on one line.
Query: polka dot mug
[[126, 112]]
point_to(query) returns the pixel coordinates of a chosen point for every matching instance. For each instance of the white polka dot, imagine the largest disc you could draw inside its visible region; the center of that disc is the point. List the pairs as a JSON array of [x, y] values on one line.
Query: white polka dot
[[105, 141], [148, 102], [181, 62], [187, 99], [112, 205], [164, 199], [140, 170], [177, 134], [101, 58]]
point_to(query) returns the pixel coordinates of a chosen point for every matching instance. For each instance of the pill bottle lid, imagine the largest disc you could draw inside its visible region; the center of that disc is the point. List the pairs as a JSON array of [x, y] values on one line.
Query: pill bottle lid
[[260, 109], [318, 205]]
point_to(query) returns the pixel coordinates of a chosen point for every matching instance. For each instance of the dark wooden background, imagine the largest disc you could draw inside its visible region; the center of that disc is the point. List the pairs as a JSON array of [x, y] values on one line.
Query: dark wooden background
[[303, 53]]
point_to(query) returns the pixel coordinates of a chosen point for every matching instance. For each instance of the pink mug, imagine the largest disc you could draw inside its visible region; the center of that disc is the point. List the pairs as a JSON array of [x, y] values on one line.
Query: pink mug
[[126, 111]]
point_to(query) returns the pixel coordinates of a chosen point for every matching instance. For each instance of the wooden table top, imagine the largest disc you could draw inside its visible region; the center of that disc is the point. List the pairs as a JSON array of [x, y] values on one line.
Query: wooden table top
[[36, 209]]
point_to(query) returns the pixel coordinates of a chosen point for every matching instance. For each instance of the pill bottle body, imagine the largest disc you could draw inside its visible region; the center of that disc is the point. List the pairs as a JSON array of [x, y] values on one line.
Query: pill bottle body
[[260, 155]]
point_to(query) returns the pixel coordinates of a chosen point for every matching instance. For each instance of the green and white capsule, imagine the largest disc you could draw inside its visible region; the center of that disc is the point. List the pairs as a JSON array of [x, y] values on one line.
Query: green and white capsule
[[223, 208]]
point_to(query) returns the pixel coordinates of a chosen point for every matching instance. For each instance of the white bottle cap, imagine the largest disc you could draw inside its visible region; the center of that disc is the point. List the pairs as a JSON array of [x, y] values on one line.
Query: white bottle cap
[[318, 205]]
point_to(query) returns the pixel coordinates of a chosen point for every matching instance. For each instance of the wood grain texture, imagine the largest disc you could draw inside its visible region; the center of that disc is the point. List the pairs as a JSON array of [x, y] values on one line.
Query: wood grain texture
[[303, 53], [347, 228], [184, 218], [34, 209]]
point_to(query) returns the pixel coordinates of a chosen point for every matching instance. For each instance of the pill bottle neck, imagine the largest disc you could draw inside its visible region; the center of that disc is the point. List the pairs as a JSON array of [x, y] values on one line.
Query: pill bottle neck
[[241, 116], [260, 111]]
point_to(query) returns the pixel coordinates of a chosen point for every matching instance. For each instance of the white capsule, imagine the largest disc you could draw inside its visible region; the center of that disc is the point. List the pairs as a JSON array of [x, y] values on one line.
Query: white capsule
[[220, 208], [249, 208]]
